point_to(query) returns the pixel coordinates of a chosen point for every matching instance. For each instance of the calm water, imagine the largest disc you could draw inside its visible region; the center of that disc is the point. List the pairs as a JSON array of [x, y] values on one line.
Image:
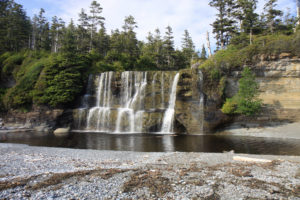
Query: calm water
[[161, 143]]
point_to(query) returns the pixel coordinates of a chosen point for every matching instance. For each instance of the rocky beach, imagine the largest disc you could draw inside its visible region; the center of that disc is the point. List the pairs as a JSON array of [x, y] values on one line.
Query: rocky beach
[[58, 173]]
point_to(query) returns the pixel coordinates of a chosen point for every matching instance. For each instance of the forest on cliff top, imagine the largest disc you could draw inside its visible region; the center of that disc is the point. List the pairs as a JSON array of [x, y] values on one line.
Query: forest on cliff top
[[47, 63]]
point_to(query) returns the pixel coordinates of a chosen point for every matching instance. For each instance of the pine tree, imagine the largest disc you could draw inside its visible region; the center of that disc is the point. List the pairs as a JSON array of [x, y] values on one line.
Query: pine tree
[[56, 32], [94, 20], [45, 38], [188, 47], [41, 28], [223, 26], [102, 42], [245, 13], [14, 26], [203, 53], [271, 15], [69, 47], [130, 40], [158, 43], [168, 47], [83, 37]]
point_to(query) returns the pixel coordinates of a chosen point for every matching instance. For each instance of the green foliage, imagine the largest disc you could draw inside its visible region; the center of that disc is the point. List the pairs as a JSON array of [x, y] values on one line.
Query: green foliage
[[245, 101], [14, 26], [145, 62], [4, 56], [60, 82], [239, 53], [11, 63], [223, 61], [229, 106], [20, 96]]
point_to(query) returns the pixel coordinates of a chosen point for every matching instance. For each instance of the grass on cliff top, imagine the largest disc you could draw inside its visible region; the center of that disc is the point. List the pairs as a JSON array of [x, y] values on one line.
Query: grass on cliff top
[[240, 53]]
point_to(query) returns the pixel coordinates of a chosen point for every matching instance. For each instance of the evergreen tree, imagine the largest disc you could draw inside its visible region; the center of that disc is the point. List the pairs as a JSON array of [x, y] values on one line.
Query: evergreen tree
[[223, 26], [102, 42], [82, 33], [41, 29], [271, 15], [168, 47], [56, 32], [128, 43], [245, 13], [188, 47], [203, 53], [130, 40], [14, 26], [158, 48], [69, 47], [94, 20], [45, 38], [246, 101]]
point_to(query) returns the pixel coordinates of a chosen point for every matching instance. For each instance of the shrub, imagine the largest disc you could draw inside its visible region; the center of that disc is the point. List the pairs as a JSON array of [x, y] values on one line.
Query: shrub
[[11, 63], [229, 106], [20, 96], [245, 101]]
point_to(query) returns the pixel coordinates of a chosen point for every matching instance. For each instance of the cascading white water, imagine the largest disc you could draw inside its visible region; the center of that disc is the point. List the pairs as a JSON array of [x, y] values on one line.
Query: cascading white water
[[131, 100], [153, 90], [85, 101], [162, 90], [168, 119], [126, 102], [97, 118], [201, 100]]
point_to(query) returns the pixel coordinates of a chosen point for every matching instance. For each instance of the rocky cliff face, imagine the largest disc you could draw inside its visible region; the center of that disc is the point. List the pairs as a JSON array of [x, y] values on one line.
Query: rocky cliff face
[[144, 97], [279, 82], [40, 119]]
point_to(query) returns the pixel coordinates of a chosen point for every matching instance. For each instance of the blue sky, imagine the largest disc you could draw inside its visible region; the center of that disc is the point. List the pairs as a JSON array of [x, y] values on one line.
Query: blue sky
[[193, 15]]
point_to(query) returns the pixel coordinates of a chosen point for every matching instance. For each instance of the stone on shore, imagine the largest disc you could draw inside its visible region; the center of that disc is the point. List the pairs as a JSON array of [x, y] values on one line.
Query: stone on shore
[[61, 132]]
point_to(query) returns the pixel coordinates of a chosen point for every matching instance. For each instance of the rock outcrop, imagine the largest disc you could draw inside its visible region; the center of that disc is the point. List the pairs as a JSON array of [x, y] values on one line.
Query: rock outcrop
[[279, 82], [41, 119]]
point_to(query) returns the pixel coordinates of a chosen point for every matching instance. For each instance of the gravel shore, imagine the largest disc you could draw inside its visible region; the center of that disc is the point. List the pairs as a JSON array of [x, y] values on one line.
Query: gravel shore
[[55, 173], [281, 130]]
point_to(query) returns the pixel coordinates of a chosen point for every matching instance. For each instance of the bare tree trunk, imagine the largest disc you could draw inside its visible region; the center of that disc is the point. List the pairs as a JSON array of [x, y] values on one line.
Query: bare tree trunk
[[208, 44]]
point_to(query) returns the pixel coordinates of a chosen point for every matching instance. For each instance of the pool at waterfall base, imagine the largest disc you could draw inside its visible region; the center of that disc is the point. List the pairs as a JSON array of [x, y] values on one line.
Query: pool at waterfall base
[[153, 142]]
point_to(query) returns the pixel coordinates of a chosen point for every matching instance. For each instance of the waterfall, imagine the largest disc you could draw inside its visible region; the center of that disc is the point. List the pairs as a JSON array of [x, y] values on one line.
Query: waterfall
[[130, 97], [85, 101], [128, 102], [162, 90], [168, 119], [201, 100], [153, 90], [99, 115]]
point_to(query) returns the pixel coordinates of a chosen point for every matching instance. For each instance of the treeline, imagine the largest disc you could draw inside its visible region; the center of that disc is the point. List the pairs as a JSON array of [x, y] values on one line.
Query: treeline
[[120, 50], [239, 18]]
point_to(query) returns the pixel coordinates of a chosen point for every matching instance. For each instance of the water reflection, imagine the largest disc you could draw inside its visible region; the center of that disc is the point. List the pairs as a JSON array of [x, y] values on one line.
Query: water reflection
[[161, 143]]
